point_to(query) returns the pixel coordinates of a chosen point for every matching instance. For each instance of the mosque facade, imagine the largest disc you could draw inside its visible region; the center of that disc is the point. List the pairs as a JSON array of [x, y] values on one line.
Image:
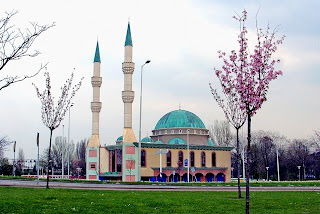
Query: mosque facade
[[179, 148]]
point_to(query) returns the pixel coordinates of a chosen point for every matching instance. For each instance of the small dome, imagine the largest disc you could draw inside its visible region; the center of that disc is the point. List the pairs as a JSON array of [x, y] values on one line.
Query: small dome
[[146, 140], [180, 119], [158, 142], [210, 143], [176, 140], [120, 138]]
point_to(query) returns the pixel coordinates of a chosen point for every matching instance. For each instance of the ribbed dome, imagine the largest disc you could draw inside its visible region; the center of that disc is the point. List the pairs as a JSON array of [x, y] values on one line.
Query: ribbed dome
[[180, 119]]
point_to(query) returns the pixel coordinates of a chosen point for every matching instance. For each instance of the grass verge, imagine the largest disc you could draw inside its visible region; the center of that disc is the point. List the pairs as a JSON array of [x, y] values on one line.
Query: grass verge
[[29, 200]]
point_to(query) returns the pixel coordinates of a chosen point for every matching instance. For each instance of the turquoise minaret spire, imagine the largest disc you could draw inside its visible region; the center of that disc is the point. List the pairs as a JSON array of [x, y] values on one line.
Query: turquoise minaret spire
[[128, 37], [97, 54]]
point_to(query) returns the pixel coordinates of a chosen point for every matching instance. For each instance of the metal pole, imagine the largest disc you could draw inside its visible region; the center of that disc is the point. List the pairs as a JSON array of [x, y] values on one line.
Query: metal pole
[[161, 164], [299, 171], [14, 158], [267, 173], [38, 159], [278, 167], [68, 152], [139, 152], [188, 154], [63, 149]]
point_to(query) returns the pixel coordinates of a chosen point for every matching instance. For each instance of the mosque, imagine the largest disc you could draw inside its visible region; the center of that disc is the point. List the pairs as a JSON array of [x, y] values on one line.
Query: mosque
[[179, 148]]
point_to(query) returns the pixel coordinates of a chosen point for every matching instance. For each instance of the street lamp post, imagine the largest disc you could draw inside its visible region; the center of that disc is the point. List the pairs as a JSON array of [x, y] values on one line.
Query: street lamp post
[[267, 173], [299, 171], [14, 158], [188, 154], [278, 168], [68, 152], [63, 149], [139, 152]]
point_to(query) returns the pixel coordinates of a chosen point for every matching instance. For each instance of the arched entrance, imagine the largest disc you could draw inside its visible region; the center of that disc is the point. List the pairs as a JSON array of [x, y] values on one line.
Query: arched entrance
[[174, 178], [163, 178], [185, 177], [209, 177], [198, 177], [220, 177]]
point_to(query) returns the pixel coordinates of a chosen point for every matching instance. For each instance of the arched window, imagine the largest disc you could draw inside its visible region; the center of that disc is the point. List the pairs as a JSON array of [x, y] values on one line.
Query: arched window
[[203, 159], [191, 159], [213, 159], [143, 158], [180, 131], [180, 156], [168, 159]]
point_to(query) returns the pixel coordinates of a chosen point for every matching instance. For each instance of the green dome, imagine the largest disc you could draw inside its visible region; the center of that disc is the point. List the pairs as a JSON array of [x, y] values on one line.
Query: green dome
[[210, 143], [158, 142], [180, 119], [176, 140], [146, 140], [120, 138]]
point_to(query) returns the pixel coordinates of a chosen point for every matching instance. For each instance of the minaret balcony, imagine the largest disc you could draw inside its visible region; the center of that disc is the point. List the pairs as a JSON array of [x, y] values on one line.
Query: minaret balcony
[[128, 67], [96, 106], [127, 96], [96, 81]]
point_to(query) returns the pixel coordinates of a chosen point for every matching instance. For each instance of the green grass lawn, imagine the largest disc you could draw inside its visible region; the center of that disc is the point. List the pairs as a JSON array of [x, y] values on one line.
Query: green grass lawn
[[28, 200]]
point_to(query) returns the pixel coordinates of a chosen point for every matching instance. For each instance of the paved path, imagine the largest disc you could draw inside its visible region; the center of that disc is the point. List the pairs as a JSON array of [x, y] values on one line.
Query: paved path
[[154, 187]]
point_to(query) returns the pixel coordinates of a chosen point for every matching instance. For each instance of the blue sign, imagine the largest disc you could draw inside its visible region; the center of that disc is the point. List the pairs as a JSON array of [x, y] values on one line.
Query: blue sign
[[186, 162]]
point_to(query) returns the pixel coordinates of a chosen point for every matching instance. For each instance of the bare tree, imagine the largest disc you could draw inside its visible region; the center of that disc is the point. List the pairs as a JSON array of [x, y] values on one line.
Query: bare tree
[[220, 131], [4, 142], [15, 44], [81, 155], [20, 162], [52, 114]]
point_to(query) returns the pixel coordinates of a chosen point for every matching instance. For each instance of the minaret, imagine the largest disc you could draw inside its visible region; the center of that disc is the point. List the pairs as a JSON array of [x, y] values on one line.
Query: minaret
[[93, 163], [96, 81], [127, 93], [129, 150]]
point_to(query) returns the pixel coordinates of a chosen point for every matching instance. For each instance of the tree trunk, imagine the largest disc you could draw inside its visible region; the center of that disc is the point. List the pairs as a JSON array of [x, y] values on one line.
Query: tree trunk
[[238, 164], [49, 158], [248, 165]]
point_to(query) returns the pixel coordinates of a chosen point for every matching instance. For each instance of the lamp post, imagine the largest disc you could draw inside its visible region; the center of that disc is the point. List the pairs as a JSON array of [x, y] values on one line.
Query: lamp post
[[278, 168], [62, 153], [14, 158], [188, 154], [68, 152], [299, 171], [139, 152], [267, 173]]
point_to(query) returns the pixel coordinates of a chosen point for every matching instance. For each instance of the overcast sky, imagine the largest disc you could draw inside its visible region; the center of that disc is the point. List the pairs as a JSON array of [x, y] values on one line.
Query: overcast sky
[[181, 38]]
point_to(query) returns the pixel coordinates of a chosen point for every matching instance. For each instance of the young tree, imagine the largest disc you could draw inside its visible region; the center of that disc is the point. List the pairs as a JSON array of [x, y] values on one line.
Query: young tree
[[52, 114], [235, 115], [15, 44], [249, 75]]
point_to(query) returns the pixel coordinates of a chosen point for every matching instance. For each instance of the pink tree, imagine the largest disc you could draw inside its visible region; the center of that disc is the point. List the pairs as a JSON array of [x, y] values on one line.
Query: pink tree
[[235, 115], [53, 114], [249, 75]]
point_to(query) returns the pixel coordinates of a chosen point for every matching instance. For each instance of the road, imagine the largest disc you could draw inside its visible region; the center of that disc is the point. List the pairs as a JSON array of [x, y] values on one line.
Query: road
[[152, 187]]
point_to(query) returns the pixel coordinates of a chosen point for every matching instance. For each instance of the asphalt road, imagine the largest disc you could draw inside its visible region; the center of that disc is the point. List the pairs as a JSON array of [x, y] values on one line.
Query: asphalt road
[[154, 187]]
